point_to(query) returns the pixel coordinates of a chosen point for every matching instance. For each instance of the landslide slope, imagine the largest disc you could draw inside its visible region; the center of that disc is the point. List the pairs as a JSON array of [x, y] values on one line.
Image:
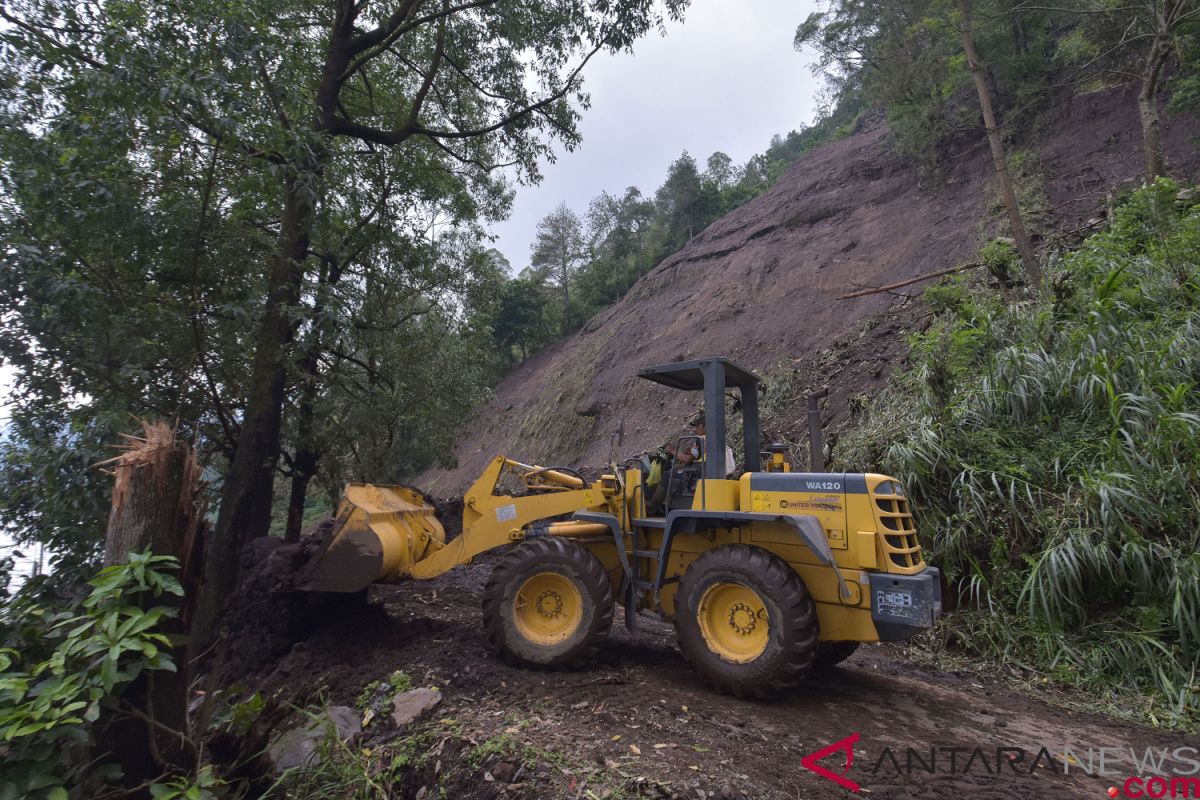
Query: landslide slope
[[760, 285]]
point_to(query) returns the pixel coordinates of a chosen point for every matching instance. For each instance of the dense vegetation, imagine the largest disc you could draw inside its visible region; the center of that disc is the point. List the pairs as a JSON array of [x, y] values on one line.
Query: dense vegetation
[[907, 57], [1052, 445], [62, 671]]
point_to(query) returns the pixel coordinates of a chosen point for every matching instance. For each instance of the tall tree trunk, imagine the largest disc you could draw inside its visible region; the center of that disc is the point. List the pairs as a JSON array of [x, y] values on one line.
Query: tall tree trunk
[[1033, 269], [1156, 59], [305, 468], [304, 465], [249, 484], [566, 321], [158, 505]]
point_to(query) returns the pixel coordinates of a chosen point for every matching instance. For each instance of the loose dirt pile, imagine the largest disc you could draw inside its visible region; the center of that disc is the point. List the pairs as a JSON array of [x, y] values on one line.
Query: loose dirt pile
[[265, 617]]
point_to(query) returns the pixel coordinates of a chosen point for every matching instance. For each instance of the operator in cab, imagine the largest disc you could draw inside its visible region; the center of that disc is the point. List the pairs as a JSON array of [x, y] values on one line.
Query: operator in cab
[[693, 449]]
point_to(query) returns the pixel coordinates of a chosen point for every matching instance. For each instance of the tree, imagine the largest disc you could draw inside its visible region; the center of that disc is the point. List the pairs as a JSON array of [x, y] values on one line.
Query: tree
[[900, 54], [559, 250], [721, 171], [1137, 42], [677, 199], [295, 99], [520, 318]]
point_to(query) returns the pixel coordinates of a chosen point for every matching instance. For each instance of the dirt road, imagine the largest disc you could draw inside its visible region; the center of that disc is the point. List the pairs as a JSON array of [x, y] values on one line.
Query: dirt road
[[639, 723]]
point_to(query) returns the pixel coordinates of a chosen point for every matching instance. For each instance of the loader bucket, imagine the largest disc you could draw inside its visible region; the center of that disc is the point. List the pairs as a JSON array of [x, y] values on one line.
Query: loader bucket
[[378, 534]]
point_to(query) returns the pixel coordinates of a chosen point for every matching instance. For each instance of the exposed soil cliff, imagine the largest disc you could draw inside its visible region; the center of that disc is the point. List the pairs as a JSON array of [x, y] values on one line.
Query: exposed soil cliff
[[761, 285]]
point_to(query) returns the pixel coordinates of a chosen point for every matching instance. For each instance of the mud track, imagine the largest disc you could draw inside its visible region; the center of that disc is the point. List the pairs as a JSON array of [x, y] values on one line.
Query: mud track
[[640, 719]]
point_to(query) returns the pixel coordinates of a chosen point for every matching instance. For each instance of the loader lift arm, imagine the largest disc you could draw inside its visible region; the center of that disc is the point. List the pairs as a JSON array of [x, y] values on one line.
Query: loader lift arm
[[385, 533], [491, 520]]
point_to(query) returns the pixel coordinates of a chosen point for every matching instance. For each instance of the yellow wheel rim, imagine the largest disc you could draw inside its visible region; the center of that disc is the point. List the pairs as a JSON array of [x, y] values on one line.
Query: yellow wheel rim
[[547, 608], [734, 622]]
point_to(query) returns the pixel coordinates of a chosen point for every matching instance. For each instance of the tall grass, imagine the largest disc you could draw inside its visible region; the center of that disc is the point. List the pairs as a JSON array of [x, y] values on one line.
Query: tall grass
[[1052, 448]]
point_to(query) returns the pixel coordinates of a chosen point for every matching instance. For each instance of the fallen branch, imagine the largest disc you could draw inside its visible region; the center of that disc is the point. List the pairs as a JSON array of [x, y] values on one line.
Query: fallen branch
[[910, 281]]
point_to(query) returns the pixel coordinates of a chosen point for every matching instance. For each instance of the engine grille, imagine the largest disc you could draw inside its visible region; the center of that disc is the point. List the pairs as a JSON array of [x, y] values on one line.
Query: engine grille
[[899, 532]]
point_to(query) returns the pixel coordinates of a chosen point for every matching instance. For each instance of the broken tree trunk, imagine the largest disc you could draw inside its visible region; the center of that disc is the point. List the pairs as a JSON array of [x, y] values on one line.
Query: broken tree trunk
[[157, 505]]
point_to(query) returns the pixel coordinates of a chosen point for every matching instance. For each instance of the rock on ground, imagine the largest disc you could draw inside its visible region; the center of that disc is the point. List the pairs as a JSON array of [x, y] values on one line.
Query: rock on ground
[[297, 747], [408, 706]]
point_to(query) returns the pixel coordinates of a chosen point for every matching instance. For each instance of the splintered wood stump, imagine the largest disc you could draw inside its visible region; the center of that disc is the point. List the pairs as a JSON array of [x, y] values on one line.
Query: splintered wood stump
[[158, 505]]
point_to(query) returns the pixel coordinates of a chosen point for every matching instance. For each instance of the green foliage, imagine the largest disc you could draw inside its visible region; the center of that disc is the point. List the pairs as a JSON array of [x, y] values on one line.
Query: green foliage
[[907, 59], [50, 491], [1029, 184], [341, 770], [203, 787], [1186, 96], [1000, 259], [60, 670], [521, 323], [1051, 449], [243, 714]]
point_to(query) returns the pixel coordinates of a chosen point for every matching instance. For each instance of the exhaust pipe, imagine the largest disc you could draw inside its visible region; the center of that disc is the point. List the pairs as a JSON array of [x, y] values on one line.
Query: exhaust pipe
[[816, 447]]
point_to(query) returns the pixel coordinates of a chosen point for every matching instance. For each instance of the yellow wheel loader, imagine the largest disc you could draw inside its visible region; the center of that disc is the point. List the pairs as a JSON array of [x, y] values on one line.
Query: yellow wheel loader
[[765, 573]]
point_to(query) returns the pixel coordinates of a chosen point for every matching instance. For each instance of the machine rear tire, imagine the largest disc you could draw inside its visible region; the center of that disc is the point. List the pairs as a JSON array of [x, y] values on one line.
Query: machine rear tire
[[724, 600], [830, 654], [548, 604]]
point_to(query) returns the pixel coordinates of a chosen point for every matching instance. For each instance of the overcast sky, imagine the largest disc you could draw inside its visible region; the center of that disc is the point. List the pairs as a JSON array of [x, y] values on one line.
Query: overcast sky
[[726, 79]]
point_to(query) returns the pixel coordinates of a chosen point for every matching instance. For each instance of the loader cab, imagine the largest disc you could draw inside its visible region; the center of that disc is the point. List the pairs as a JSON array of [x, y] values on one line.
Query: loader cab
[[712, 376]]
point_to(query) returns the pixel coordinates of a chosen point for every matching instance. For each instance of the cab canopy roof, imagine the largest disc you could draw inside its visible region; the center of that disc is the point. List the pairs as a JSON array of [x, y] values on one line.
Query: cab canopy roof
[[689, 375]]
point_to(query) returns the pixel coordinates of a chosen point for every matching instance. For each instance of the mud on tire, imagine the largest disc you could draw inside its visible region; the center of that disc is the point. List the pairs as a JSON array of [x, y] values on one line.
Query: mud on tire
[[790, 644], [548, 604]]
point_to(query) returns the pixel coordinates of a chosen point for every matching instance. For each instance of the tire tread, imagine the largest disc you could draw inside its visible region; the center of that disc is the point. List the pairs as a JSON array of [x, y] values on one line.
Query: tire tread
[[799, 619], [534, 553]]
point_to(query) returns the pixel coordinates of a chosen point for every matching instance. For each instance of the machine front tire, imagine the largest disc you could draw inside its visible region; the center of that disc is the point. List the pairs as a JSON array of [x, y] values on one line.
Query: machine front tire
[[745, 621], [548, 604]]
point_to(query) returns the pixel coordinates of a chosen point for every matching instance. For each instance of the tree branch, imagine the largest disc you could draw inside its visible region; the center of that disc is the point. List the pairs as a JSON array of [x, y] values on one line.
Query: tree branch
[[567, 86], [910, 281], [434, 65], [385, 29]]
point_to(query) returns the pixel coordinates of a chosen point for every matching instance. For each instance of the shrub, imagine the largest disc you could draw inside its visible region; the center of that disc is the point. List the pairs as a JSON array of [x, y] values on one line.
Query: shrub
[[60, 670]]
